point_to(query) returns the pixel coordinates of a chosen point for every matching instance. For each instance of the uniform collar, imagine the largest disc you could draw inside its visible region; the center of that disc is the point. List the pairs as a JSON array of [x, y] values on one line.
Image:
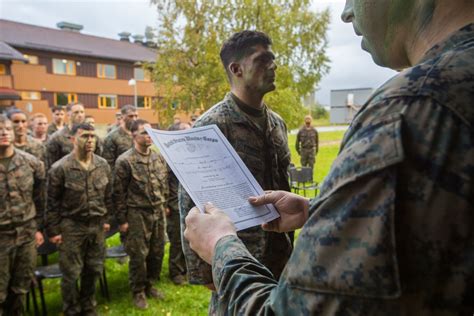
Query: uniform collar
[[465, 34], [76, 165]]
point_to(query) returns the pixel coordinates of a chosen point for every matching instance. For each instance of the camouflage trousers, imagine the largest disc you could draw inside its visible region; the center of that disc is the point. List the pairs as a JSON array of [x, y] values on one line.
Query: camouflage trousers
[[145, 245], [308, 157], [176, 260], [81, 258], [17, 263]]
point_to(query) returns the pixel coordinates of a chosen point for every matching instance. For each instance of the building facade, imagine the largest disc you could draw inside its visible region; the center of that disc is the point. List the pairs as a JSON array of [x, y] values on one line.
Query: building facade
[[346, 102], [42, 67]]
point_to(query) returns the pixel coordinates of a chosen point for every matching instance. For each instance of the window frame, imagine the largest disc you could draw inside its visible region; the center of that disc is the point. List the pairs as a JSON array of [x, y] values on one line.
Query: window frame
[[30, 58], [68, 62], [3, 69], [147, 101], [102, 97], [71, 97], [146, 74], [26, 95], [101, 73]]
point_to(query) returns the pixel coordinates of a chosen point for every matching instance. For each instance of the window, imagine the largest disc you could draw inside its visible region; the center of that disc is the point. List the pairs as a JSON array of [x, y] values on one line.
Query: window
[[61, 98], [3, 69], [106, 71], [141, 74], [64, 67], [107, 101], [31, 59], [30, 95], [144, 102]]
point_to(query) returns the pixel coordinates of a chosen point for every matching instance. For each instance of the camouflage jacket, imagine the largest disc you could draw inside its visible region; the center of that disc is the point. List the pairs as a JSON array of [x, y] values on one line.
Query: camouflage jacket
[[60, 144], [392, 231], [76, 193], [116, 143], [307, 139], [254, 146], [140, 182], [52, 128], [34, 147], [22, 191], [173, 185]]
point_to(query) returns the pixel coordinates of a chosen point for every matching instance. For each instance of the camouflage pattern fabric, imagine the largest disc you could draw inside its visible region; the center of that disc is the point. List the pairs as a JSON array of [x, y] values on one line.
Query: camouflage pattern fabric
[[116, 143], [140, 194], [391, 232], [52, 128], [22, 202], [176, 262], [145, 245], [254, 146], [307, 145], [34, 147], [81, 258], [60, 144], [77, 193]]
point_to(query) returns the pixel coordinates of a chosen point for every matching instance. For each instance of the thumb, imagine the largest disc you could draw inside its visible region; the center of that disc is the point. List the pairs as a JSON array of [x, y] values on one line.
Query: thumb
[[210, 208]]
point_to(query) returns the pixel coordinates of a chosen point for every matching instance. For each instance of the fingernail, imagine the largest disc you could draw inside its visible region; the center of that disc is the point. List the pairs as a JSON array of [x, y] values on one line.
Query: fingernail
[[252, 199]]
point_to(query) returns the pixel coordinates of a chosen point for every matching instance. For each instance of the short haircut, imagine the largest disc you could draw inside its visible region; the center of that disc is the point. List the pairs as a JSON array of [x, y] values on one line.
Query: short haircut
[[14, 111], [83, 126], [57, 108], [4, 119], [126, 108], [37, 115], [70, 105], [136, 124], [241, 45]]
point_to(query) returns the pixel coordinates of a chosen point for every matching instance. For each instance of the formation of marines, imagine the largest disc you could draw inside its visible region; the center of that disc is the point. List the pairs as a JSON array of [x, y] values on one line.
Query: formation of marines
[[382, 237]]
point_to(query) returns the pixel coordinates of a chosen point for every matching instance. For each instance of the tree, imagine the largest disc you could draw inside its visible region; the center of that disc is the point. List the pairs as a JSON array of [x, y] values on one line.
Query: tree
[[189, 73]]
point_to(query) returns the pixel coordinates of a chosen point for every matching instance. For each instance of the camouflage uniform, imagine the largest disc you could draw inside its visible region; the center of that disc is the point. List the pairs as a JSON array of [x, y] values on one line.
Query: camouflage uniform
[[140, 193], [52, 128], [267, 156], [391, 232], [307, 145], [60, 144], [34, 147], [22, 201], [177, 263], [79, 202], [116, 143]]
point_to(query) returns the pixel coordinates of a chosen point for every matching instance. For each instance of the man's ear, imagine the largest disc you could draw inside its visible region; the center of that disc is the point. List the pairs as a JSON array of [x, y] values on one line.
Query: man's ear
[[235, 69]]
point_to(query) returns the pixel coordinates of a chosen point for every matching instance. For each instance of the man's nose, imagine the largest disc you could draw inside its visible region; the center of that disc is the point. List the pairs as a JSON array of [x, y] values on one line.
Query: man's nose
[[348, 12]]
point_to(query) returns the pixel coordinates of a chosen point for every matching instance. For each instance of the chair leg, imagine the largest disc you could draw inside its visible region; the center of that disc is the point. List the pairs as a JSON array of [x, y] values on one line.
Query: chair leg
[[106, 285], [43, 302], [33, 298]]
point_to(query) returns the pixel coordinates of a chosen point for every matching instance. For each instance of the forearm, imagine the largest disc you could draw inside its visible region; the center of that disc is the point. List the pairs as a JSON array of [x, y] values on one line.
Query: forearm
[[244, 285]]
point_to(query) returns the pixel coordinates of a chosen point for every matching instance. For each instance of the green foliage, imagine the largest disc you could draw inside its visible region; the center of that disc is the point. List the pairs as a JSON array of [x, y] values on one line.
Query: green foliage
[[318, 112], [190, 34]]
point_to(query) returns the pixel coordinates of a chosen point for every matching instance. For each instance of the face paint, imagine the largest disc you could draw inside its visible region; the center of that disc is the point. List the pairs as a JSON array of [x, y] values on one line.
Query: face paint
[[20, 124], [85, 141], [6, 134]]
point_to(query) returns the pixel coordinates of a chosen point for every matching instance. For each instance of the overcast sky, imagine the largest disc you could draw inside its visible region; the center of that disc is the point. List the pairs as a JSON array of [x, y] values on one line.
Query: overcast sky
[[350, 66]]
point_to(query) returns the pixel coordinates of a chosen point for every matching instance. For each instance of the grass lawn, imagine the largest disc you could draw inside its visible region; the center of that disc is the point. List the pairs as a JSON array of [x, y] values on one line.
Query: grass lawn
[[180, 300]]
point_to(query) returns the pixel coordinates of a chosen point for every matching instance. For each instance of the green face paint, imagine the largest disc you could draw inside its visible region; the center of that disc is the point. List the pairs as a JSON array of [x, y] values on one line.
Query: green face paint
[[85, 141]]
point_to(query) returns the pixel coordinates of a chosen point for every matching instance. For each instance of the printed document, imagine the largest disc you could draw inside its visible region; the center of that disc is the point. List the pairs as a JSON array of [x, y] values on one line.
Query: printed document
[[210, 170]]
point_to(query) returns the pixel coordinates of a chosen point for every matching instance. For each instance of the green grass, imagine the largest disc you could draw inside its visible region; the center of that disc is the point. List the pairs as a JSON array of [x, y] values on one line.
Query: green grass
[[180, 300]]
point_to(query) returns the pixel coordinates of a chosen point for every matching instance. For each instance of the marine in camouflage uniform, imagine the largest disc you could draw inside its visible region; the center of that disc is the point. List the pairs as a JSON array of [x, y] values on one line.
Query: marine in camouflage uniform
[[307, 143], [266, 154], [33, 147], [78, 209], [22, 202], [119, 140], [140, 194], [391, 232], [60, 144]]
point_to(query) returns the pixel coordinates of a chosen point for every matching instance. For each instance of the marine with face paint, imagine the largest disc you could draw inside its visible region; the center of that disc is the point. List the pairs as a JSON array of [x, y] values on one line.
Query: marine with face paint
[[259, 137], [392, 230], [78, 210], [22, 201]]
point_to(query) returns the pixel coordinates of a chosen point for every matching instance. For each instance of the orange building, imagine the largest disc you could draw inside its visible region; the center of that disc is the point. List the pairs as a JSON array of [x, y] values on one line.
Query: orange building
[[42, 67]]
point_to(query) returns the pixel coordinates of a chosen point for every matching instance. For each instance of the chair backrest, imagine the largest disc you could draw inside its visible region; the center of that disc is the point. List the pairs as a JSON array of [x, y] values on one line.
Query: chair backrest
[[307, 174], [293, 172]]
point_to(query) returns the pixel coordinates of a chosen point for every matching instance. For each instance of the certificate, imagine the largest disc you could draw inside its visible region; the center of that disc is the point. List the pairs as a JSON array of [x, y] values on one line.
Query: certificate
[[210, 170]]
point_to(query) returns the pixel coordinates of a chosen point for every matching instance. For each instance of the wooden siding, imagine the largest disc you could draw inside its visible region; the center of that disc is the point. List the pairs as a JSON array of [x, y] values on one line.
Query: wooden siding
[[90, 101], [86, 69], [49, 97], [124, 100], [125, 72]]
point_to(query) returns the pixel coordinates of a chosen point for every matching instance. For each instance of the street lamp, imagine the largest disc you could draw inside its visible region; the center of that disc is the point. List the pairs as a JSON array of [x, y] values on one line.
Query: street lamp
[[133, 82]]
